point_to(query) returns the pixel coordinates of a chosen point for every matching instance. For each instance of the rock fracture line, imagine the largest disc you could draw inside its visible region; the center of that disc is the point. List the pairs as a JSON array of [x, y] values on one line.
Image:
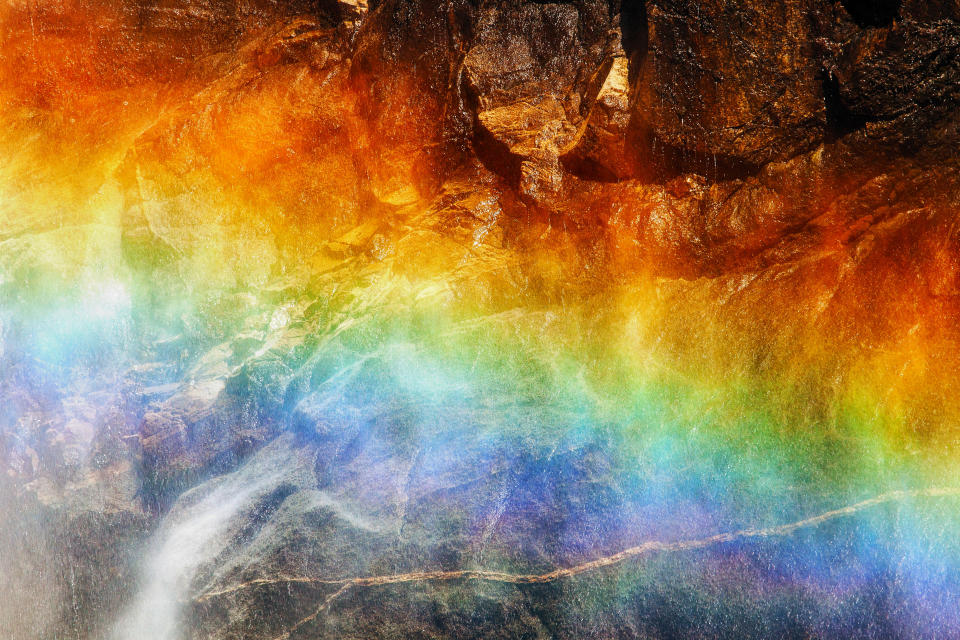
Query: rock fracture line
[[646, 548]]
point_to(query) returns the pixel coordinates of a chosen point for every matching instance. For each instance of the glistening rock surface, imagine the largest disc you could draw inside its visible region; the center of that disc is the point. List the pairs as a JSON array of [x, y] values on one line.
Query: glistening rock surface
[[420, 287]]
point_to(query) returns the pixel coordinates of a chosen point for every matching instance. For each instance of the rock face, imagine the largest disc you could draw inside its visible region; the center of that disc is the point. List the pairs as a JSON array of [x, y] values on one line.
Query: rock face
[[871, 67], [605, 145], [738, 82], [407, 318], [527, 70]]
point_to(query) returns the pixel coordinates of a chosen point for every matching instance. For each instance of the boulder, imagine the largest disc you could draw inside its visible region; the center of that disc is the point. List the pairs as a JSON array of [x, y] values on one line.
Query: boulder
[[527, 72]]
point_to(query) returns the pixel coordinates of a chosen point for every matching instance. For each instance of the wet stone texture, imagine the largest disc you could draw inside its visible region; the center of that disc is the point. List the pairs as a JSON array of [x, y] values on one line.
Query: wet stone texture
[[479, 319]]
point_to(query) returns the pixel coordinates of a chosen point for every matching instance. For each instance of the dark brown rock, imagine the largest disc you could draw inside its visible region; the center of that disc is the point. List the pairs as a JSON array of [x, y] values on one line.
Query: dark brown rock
[[910, 69], [732, 80], [528, 72], [605, 146]]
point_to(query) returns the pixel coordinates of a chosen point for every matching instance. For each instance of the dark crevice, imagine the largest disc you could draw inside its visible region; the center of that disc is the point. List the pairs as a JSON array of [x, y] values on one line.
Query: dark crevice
[[495, 155], [588, 170], [840, 120], [873, 13], [634, 34]]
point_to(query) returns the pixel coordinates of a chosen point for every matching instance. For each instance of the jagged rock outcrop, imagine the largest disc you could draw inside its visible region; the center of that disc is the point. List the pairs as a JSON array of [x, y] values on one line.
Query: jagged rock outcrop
[[527, 71]]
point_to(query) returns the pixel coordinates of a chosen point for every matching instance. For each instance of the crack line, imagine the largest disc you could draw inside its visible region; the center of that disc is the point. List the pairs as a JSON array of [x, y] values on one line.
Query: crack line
[[646, 548]]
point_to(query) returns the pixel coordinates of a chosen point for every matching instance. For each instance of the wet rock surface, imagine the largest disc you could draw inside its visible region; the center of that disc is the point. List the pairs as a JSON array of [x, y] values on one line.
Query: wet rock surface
[[735, 80], [452, 178]]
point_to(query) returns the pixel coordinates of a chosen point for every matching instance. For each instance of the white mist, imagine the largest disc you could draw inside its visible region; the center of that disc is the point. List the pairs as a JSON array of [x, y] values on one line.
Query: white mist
[[196, 531]]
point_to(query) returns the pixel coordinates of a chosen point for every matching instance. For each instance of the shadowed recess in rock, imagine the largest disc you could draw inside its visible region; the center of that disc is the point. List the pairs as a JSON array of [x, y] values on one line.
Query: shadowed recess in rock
[[879, 13]]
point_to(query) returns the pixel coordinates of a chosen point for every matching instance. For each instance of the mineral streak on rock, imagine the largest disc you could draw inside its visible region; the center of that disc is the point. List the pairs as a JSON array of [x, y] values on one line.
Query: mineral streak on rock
[[476, 318]]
